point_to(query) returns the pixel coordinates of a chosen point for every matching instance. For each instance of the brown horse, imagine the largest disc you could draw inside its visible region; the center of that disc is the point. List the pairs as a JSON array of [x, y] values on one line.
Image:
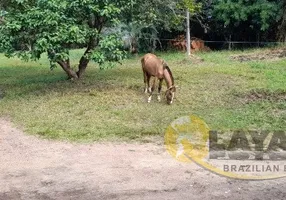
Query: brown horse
[[153, 66]]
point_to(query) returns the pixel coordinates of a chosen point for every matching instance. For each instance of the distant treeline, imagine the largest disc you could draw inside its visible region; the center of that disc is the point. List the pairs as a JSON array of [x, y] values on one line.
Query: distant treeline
[[225, 24]]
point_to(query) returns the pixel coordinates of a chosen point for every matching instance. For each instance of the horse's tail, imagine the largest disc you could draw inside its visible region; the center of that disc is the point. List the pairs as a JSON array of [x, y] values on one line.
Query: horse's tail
[[143, 59], [142, 62]]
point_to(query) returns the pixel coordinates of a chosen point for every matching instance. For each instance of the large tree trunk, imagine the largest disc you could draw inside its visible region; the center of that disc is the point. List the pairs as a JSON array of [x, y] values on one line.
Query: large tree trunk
[[94, 22], [66, 67], [84, 60], [82, 66]]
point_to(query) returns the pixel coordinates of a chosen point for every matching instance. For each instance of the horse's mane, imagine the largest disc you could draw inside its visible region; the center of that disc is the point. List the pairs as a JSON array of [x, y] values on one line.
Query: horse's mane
[[171, 75]]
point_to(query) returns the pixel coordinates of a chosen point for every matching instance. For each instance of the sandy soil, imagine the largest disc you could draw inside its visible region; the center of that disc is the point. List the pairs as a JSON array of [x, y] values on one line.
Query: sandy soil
[[33, 168]]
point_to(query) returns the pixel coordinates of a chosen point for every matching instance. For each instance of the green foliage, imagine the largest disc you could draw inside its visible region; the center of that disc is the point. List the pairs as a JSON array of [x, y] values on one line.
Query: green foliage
[[258, 14], [163, 14], [33, 27], [144, 20], [107, 51], [191, 5]]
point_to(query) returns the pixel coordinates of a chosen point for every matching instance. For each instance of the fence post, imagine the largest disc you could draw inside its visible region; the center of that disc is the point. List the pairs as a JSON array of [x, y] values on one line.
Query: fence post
[[229, 44], [188, 35]]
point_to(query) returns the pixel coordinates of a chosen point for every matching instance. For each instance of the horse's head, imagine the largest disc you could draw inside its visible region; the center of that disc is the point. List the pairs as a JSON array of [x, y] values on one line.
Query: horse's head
[[170, 94]]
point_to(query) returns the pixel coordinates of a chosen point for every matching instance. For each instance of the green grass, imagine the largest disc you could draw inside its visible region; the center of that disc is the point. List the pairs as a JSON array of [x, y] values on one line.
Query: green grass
[[110, 104]]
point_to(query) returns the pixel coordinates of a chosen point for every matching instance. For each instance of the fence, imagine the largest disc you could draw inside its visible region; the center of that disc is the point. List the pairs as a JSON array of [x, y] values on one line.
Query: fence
[[220, 44]]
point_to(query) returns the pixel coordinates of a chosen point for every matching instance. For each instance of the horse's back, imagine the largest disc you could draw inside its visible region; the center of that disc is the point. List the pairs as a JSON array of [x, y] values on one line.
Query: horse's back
[[152, 65], [149, 58]]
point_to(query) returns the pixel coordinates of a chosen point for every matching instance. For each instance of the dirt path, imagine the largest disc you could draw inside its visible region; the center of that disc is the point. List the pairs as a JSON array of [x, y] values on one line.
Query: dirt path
[[32, 168]]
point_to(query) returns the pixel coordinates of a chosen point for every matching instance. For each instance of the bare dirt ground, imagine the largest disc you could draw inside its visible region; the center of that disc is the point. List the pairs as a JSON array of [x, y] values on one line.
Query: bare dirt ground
[[266, 55], [260, 94], [33, 168]]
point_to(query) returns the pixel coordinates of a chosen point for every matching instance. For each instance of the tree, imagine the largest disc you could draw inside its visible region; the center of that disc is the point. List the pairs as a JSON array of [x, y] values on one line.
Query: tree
[[191, 8], [242, 18], [33, 27], [145, 20]]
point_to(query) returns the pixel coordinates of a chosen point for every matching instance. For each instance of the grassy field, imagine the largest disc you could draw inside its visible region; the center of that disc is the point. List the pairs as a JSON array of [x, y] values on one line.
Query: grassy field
[[110, 104]]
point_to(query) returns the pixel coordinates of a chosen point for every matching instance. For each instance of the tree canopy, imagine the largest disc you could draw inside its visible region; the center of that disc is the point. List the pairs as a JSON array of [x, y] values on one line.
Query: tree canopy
[[245, 20], [144, 20], [258, 14], [29, 28], [33, 27]]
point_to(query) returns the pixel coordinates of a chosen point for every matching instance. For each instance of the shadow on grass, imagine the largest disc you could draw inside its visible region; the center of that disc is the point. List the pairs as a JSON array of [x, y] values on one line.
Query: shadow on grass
[[27, 81]]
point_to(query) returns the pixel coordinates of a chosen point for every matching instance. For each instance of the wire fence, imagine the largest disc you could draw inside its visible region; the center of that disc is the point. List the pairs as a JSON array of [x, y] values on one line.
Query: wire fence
[[223, 44], [223, 41], [243, 42]]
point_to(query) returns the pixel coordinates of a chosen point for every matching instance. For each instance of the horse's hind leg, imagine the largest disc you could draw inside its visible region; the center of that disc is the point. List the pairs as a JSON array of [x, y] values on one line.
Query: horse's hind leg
[[159, 89], [145, 81]]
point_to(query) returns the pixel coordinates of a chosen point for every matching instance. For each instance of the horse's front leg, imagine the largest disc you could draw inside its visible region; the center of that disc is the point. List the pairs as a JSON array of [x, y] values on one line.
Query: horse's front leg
[[148, 88], [151, 88], [159, 89]]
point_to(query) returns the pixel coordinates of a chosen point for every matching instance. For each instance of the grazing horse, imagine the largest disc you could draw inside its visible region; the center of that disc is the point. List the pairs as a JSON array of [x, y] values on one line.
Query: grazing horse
[[158, 69]]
